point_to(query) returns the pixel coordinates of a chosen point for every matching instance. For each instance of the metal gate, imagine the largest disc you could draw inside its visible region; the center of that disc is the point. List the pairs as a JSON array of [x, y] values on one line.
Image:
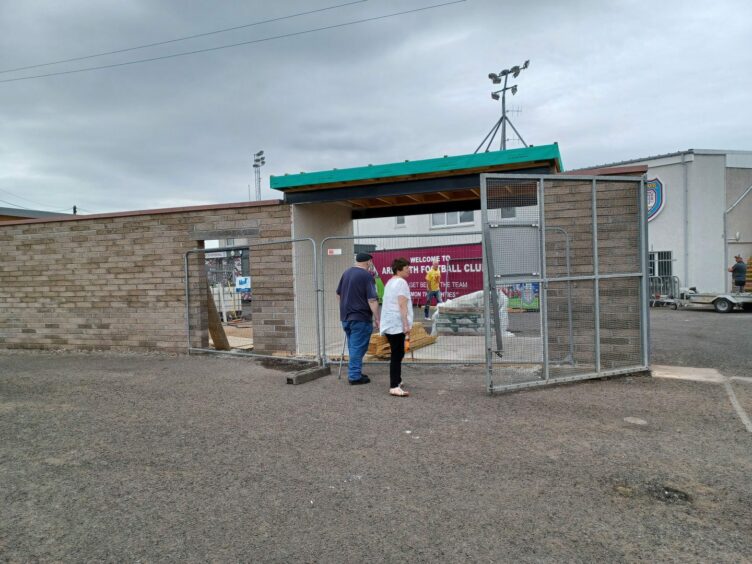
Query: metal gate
[[574, 248]]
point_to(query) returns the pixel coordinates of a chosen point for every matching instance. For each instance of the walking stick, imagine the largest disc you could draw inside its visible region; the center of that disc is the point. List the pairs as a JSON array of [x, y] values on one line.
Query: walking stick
[[342, 357]]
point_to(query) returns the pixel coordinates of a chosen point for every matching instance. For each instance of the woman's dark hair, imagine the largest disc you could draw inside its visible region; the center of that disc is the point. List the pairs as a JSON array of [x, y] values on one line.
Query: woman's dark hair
[[399, 264]]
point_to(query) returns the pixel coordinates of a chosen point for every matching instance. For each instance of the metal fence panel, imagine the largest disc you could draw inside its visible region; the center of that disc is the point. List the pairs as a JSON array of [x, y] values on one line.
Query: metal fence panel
[[278, 317], [453, 332], [593, 287], [515, 271]]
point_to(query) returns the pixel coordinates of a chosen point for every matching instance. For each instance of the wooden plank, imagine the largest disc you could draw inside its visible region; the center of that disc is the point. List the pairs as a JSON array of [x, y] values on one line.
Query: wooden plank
[[216, 331]]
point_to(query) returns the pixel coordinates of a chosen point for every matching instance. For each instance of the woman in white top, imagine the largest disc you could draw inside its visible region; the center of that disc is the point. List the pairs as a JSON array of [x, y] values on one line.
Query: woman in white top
[[396, 321]]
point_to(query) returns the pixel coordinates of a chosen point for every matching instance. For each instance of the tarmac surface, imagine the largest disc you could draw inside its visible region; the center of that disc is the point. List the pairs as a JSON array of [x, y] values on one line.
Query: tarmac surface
[[159, 458]]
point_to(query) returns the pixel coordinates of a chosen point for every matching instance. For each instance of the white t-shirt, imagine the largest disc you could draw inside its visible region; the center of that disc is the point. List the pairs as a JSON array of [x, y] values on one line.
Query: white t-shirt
[[391, 320]]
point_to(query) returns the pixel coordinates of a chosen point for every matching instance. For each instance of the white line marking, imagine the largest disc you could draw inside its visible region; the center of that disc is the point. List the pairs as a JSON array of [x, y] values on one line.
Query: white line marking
[[737, 406], [688, 373], [707, 375]]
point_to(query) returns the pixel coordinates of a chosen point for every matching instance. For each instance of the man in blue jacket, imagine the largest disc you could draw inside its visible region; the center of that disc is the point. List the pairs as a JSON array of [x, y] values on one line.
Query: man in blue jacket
[[358, 309]]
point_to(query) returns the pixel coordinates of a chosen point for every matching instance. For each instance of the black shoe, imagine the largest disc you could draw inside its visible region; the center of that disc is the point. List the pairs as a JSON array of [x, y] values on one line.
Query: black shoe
[[363, 380]]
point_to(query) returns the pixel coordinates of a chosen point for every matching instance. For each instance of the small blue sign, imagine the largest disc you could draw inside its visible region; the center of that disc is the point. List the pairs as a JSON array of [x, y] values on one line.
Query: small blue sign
[[656, 197], [243, 284]]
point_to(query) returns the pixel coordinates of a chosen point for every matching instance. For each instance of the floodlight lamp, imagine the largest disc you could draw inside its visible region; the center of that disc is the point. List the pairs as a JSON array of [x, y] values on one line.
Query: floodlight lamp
[[495, 95], [514, 90], [526, 64], [259, 154], [515, 70], [493, 76], [255, 165]]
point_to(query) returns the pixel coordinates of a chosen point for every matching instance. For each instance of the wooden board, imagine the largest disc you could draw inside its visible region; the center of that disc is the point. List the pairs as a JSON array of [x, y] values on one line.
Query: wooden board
[[379, 346]]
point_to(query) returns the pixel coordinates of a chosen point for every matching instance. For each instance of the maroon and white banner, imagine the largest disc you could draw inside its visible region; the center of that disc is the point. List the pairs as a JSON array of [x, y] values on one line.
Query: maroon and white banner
[[460, 266]]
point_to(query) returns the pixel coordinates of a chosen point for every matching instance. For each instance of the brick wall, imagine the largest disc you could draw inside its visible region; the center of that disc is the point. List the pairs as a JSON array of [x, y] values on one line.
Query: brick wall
[[116, 281]]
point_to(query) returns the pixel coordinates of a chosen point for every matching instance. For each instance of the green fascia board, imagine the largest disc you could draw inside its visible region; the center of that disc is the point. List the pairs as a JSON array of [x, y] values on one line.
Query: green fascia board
[[444, 164]]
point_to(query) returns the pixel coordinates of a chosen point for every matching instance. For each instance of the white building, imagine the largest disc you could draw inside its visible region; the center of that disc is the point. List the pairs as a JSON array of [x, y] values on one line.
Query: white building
[[692, 190], [686, 226], [444, 222]]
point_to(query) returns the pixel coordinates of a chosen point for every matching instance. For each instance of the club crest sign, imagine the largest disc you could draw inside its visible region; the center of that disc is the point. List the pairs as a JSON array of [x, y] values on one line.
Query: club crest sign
[[656, 197]]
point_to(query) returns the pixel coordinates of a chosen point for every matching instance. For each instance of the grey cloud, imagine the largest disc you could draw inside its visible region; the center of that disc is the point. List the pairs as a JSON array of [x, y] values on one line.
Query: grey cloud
[[608, 81]]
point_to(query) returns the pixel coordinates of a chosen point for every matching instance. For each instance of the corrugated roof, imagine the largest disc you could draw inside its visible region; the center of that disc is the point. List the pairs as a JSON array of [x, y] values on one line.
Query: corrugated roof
[[417, 168], [664, 156]]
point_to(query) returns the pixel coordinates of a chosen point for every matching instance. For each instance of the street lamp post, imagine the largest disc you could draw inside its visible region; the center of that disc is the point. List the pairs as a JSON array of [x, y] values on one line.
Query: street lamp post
[[259, 160], [504, 119]]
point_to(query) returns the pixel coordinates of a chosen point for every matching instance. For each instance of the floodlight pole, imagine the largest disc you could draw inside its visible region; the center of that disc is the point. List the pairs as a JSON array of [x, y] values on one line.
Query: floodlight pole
[[259, 160], [504, 119], [503, 144]]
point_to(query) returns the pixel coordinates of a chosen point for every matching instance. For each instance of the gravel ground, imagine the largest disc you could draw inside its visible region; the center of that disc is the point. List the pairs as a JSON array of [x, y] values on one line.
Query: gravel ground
[[157, 458], [703, 338]]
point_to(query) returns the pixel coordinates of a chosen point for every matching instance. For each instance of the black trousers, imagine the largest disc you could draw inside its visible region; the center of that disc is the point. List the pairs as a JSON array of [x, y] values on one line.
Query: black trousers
[[397, 344]]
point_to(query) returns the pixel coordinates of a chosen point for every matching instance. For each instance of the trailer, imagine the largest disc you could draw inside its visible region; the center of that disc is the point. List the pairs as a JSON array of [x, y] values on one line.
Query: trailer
[[723, 303]]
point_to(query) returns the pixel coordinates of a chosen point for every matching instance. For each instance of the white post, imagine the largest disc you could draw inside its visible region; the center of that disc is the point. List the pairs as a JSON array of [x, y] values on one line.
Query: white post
[[222, 302]]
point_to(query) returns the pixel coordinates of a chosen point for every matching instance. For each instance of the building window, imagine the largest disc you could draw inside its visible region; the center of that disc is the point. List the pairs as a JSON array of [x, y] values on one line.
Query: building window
[[496, 214], [660, 263], [399, 221], [450, 219]]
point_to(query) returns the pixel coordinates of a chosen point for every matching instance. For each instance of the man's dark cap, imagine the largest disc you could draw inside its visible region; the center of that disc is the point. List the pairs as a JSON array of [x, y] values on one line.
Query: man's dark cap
[[363, 257]]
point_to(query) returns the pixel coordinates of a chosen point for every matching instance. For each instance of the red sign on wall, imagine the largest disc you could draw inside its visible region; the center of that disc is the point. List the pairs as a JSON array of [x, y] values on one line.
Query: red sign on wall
[[460, 265]]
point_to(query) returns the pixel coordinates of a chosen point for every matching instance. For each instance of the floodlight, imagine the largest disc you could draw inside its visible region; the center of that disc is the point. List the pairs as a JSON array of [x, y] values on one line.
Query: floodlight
[[500, 125], [259, 154]]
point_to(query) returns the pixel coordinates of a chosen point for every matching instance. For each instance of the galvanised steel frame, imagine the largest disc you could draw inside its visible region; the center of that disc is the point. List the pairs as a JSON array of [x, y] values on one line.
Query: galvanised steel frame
[[544, 280], [354, 238], [251, 247]]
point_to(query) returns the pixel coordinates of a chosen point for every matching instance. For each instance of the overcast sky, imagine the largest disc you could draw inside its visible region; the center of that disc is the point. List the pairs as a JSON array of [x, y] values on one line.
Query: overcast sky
[[608, 80]]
